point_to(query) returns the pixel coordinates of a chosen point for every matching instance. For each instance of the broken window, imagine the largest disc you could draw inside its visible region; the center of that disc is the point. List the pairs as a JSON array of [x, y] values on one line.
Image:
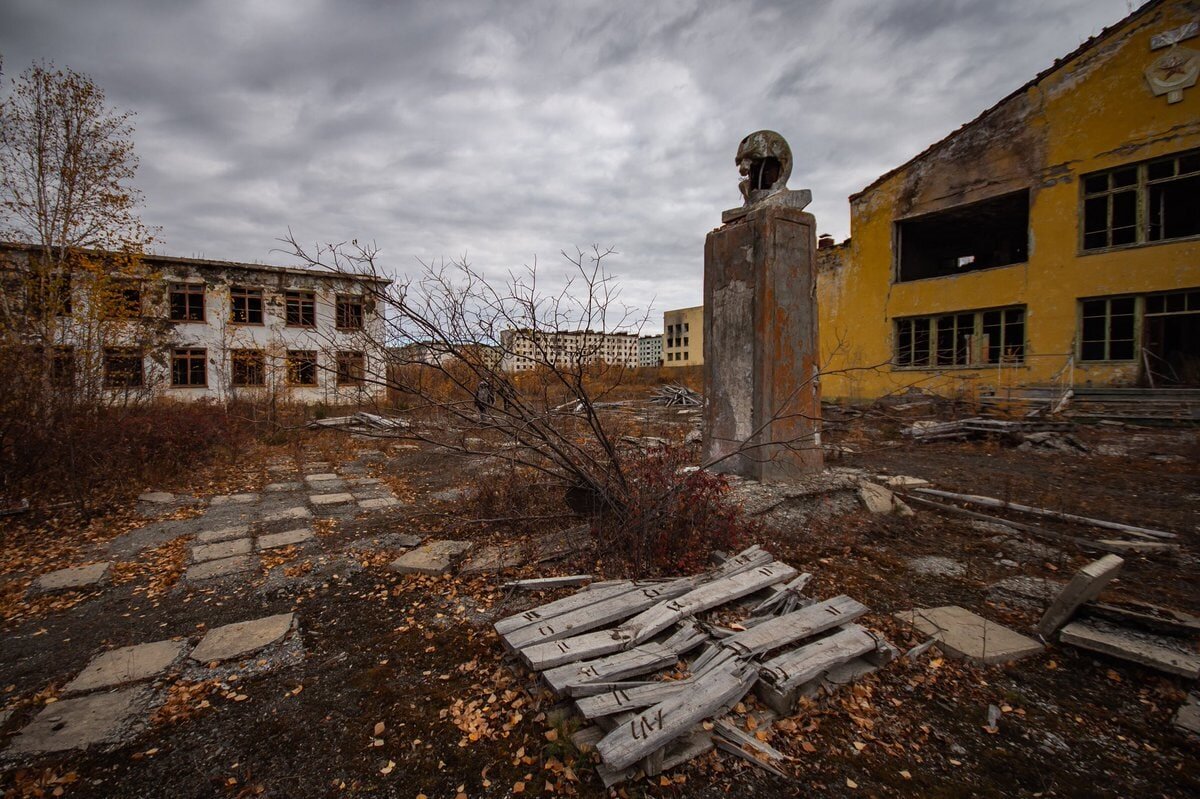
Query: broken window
[[49, 293], [121, 299], [1173, 191], [187, 302], [349, 314], [248, 368], [123, 367], [968, 338], [301, 308], [1108, 329], [246, 305], [188, 367], [1110, 208], [351, 367], [302, 367], [965, 238]]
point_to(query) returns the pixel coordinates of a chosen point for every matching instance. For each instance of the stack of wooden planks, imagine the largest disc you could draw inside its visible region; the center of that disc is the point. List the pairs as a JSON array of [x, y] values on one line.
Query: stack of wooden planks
[[606, 646]]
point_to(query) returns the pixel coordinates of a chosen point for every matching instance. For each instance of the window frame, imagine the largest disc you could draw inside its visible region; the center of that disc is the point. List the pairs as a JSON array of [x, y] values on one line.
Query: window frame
[[349, 300], [238, 359], [349, 358], [976, 355], [189, 356], [292, 362], [188, 291], [1141, 187], [303, 299], [111, 353], [246, 294]]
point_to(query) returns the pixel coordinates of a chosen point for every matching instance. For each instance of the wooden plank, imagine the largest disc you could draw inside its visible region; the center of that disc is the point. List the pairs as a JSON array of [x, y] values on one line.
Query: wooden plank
[[634, 698], [809, 661], [796, 626], [731, 731], [571, 678], [557, 650], [658, 725], [992, 502], [546, 583], [697, 743], [582, 599]]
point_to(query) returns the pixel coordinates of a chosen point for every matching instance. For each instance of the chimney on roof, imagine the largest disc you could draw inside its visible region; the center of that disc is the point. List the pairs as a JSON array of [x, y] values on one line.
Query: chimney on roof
[[825, 241]]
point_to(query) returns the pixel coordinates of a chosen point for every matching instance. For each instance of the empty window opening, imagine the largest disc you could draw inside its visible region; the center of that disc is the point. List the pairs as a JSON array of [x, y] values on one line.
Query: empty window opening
[[248, 368], [121, 300], [981, 235], [301, 309], [188, 367], [969, 338], [1108, 329], [1173, 192], [246, 306], [350, 368], [1172, 338], [349, 312], [302, 367], [123, 367], [187, 302], [49, 295]]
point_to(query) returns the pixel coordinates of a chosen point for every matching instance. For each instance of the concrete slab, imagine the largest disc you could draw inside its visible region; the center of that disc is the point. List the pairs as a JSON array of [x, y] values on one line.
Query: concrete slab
[[81, 722], [127, 664], [320, 478], [74, 578], [223, 534], [243, 638], [157, 497], [364, 481], [233, 499], [288, 514], [1085, 586], [961, 633], [378, 503], [288, 538], [433, 557], [275, 487], [1187, 718], [221, 568], [1155, 651], [330, 500], [220, 550], [876, 498]]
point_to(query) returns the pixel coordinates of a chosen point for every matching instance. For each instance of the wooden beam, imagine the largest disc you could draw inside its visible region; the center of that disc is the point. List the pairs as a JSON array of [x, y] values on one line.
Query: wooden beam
[[809, 661], [558, 607], [796, 626], [573, 678]]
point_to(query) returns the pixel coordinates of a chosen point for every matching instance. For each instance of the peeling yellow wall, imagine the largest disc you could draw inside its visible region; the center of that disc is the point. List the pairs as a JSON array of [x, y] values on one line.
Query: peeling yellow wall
[[1095, 112]]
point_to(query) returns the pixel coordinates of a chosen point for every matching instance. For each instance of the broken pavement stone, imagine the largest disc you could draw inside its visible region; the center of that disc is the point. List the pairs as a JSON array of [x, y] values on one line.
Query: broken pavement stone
[[288, 514], [232, 499], [223, 534], [433, 557], [242, 638], [221, 568], [1154, 651], [961, 633], [157, 497], [81, 722], [320, 478], [127, 664], [90, 576], [287, 538], [273, 487], [330, 500], [1085, 586], [378, 503], [222, 549]]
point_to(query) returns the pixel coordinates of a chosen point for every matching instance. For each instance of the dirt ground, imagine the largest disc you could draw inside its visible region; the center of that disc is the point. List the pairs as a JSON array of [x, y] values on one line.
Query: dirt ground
[[403, 689]]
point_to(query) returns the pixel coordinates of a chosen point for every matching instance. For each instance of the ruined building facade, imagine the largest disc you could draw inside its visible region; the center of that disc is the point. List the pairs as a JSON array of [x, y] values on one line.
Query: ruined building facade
[[1054, 240], [188, 328]]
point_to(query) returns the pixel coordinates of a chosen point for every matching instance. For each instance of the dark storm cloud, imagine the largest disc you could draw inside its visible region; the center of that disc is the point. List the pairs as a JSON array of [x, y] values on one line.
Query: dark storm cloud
[[507, 130]]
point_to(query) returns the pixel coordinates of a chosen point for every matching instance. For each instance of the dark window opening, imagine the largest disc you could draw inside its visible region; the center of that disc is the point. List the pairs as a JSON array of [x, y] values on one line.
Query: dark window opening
[[1174, 208], [349, 312], [187, 302], [123, 367], [955, 340], [189, 367], [49, 294], [249, 368], [302, 367], [121, 300], [350, 368], [1108, 331], [246, 306], [301, 309], [981, 235], [1004, 332]]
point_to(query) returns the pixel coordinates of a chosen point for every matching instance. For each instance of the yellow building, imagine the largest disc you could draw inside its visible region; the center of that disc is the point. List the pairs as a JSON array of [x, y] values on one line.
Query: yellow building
[[683, 337], [1054, 240]]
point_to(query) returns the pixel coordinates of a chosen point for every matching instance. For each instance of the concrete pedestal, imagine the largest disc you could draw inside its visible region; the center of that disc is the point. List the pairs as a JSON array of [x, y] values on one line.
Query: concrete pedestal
[[761, 419]]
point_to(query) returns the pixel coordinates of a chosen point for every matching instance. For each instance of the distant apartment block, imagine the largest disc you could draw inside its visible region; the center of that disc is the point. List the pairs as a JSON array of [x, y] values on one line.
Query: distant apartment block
[[189, 328], [525, 349], [683, 337], [650, 351]]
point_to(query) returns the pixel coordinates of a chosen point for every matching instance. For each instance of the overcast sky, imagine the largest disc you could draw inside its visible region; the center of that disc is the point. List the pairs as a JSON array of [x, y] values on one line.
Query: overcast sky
[[505, 131]]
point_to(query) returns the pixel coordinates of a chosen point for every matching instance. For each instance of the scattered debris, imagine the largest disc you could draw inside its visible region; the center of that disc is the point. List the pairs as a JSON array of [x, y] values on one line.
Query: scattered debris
[[676, 395], [362, 422], [546, 583], [649, 725], [877, 499], [1169, 655], [978, 426], [1084, 586], [961, 633]]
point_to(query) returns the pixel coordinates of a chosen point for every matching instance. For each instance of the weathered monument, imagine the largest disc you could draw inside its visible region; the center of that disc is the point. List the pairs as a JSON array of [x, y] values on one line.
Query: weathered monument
[[762, 418]]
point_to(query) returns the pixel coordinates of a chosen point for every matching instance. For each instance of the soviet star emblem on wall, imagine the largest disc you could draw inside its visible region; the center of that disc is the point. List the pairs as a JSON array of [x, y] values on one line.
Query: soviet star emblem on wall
[[1172, 72]]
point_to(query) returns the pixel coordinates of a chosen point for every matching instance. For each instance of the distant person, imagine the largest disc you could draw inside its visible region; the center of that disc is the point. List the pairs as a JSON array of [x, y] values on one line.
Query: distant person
[[485, 398]]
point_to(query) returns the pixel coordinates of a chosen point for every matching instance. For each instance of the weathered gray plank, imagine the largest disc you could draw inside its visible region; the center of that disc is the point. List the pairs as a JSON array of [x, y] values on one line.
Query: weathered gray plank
[[693, 745], [633, 698], [572, 678], [546, 583], [582, 599], [801, 665], [655, 727], [729, 730], [796, 626]]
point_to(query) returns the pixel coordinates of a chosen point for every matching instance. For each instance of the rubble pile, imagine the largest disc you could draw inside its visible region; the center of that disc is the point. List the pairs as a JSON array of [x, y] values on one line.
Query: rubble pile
[[600, 646], [673, 395], [362, 422]]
